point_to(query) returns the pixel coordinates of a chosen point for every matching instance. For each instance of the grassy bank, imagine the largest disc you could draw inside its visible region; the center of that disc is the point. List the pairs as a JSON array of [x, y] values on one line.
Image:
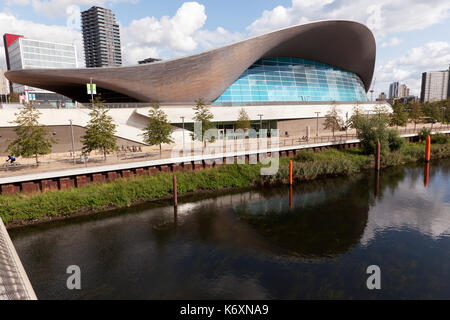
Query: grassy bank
[[121, 193]]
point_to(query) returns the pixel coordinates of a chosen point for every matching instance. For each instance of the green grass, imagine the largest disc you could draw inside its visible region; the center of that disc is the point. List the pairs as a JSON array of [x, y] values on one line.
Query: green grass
[[125, 192]]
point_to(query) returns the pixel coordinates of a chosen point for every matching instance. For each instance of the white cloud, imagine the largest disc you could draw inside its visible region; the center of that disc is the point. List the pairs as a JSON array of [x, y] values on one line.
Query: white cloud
[[393, 42], [31, 30], [434, 55], [381, 16], [172, 36]]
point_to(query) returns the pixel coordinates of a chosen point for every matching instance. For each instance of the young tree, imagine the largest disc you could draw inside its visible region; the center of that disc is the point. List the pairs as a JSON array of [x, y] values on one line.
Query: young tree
[[415, 113], [398, 116], [333, 120], [158, 129], [99, 130], [204, 116], [32, 139], [243, 121]]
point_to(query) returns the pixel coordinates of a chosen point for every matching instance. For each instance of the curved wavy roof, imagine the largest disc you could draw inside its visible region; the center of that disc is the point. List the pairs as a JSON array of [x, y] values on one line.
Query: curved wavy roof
[[345, 44]]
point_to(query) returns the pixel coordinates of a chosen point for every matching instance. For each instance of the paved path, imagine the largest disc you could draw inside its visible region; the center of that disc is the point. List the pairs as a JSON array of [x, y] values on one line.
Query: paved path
[[14, 283]]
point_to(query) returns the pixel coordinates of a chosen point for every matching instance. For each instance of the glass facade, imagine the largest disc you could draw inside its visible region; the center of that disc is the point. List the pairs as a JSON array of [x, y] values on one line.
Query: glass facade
[[293, 79]]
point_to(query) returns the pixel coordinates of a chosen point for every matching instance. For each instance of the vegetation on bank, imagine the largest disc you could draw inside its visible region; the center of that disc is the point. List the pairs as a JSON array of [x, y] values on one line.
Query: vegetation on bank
[[121, 193]]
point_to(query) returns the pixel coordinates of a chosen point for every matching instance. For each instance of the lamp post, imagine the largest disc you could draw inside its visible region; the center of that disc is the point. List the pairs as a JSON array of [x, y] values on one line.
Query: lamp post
[[92, 94], [73, 142], [443, 116], [346, 125], [317, 124], [182, 120]]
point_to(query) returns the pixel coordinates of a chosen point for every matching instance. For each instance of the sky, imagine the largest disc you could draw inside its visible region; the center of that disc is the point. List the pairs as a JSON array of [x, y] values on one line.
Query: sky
[[412, 36]]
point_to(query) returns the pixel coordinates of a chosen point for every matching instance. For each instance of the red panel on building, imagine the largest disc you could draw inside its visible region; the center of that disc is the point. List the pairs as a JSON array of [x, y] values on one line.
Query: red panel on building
[[10, 38]]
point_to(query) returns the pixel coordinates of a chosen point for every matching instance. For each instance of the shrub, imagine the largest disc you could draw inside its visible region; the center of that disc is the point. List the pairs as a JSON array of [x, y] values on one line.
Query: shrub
[[395, 141], [440, 138], [423, 134], [304, 156]]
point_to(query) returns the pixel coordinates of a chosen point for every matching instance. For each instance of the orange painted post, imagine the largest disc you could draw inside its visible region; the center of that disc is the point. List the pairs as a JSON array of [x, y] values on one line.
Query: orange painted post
[[290, 172], [175, 193], [428, 149], [378, 156]]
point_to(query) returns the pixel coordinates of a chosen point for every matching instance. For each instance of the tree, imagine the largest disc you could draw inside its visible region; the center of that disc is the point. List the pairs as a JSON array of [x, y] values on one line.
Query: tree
[[14, 97], [369, 130], [415, 113], [32, 139], [243, 121], [333, 120], [99, 130], [158, 129], [398, 117], [204, 116]]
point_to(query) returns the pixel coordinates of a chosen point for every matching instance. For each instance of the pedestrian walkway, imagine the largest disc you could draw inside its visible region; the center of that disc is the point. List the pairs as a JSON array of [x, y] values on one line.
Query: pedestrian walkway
[[14, 283]]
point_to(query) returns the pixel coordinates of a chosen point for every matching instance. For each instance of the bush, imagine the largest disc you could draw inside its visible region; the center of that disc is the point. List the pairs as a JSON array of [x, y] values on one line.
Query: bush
[[423, 134], [440, 138], [304, 156], [395, 141]]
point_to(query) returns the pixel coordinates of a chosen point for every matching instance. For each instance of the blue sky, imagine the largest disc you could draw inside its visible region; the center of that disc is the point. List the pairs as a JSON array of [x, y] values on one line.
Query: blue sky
[[412, 35]]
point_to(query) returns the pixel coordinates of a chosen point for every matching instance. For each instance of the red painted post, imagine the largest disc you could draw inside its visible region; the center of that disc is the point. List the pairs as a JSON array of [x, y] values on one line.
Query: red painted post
[[428, 149], [175, 193], [378, 156], [290, 172]]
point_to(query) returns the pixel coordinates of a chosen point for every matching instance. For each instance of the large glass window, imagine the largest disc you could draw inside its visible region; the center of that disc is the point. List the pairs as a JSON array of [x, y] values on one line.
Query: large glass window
[[293, 79]]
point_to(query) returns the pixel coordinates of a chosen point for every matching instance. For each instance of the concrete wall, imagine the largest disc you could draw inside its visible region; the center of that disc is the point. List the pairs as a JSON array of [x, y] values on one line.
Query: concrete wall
[[62, 134], [297, 127]]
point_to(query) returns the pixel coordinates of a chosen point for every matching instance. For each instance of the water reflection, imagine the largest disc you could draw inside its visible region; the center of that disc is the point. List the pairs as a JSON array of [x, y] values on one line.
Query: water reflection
[[314, 240]]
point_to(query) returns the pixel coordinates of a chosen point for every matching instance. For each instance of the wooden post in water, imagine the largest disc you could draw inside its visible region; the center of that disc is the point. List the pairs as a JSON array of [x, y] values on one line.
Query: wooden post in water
[[175, 193], [428, 149], [378, 156], [290, 172]]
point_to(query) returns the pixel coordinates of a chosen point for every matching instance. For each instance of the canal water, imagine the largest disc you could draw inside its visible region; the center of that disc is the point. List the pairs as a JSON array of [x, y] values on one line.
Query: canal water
[[259, 244]]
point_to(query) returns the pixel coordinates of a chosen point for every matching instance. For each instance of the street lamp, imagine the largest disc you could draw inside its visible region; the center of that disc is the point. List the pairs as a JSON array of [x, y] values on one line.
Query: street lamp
[[317, 124], [260, 121], [73, 142], [182, 119]]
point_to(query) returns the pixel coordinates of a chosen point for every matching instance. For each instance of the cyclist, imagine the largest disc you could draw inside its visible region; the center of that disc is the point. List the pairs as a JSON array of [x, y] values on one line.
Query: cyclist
[[11, 159]]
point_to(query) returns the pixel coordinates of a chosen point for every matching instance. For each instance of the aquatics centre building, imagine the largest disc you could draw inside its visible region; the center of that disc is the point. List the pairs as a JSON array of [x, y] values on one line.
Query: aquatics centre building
[[283, 79]]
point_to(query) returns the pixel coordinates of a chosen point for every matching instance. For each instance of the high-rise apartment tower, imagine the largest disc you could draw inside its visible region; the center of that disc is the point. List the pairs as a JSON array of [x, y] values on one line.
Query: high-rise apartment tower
[[101, 38]]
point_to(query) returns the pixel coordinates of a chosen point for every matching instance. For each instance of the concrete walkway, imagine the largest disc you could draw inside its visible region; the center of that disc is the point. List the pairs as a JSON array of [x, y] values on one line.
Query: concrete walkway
[[14, 282]]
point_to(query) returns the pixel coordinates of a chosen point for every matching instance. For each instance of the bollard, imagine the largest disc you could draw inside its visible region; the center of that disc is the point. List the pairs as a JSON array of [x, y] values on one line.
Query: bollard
[[428, 149], [378, 156], [290, 172], [175, 193]]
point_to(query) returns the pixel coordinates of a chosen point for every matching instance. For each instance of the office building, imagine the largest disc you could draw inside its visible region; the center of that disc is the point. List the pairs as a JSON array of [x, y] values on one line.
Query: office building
[[393, 90], [403, 91], [23, 53], [435, 86], [101, 38]]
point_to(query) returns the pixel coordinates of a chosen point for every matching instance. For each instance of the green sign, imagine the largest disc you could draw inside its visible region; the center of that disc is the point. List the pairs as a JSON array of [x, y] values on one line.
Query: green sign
[[93, 90]]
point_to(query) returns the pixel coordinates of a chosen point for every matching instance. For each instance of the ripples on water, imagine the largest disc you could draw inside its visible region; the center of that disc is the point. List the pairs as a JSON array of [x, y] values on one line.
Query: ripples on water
[[253, 245]]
